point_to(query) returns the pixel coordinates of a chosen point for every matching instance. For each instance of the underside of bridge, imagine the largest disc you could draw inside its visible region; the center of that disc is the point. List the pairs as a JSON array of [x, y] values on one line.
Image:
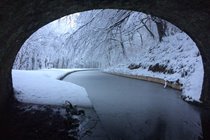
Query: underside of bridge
[[20, 18]]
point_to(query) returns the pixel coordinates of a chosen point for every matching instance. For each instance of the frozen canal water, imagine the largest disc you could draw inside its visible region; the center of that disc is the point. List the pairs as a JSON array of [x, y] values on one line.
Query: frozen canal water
[[131, 109]]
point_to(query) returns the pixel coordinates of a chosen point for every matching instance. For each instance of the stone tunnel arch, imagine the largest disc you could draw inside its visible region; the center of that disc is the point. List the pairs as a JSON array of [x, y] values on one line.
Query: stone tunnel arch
[[19, 19]]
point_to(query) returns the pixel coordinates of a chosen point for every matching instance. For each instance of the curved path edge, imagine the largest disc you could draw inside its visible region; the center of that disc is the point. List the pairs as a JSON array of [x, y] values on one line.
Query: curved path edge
[[160, 81], [150, 79]]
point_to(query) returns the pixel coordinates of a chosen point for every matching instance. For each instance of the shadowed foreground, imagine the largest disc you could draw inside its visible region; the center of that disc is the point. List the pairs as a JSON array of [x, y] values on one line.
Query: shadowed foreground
[[36, 122]]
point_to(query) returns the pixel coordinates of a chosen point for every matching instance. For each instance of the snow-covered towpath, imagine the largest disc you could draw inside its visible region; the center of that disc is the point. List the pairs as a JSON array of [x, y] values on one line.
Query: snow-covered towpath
[[44, 87]]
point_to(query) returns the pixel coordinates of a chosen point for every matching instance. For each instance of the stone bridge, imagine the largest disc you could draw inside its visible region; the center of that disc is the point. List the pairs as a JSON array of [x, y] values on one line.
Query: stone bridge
[[20, 18]]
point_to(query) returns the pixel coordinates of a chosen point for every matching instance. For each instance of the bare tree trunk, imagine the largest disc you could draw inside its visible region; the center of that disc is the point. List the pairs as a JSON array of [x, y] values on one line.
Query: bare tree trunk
[[161, 27]]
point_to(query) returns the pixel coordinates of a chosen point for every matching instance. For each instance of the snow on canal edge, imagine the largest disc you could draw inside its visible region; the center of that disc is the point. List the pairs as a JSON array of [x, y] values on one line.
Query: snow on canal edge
[[177, 53], [43, 87]]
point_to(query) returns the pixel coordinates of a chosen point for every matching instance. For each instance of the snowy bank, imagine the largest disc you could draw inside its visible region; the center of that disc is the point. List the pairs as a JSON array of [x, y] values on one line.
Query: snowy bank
[[43, 87], [178, 57]]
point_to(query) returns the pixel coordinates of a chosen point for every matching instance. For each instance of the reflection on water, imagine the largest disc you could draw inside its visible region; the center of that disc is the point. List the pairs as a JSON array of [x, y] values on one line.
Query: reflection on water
[[139, 110]]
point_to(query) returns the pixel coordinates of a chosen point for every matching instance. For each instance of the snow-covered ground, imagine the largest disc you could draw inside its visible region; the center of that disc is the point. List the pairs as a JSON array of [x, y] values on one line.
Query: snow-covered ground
[[43, 87], [178, 53]]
